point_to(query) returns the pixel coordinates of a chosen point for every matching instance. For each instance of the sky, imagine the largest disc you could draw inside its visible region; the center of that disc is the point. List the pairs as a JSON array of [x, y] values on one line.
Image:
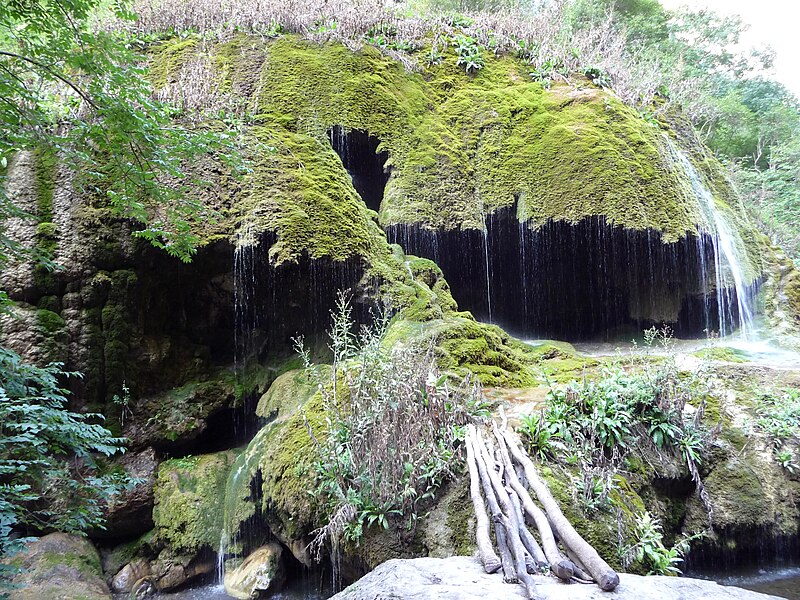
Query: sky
[[773, 22]]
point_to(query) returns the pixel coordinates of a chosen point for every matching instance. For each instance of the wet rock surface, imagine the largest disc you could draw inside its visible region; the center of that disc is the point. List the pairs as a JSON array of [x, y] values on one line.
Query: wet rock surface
[[261, 572], [463, 578]]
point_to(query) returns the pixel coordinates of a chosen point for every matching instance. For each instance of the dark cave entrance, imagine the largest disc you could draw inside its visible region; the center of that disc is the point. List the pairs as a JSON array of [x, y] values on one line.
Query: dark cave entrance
[[359, 154], [584, 281]]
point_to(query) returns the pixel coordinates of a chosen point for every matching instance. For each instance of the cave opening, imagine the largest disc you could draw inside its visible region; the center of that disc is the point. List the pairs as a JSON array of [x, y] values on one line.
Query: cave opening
[[359, 154], [581, 281]]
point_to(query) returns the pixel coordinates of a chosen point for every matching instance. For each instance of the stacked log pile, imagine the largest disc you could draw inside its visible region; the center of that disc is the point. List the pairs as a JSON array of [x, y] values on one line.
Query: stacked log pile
[[501, 477]]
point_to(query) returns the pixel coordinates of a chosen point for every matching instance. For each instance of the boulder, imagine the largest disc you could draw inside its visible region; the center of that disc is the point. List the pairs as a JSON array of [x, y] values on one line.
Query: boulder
[[261, 571], [463, 578], [123, 582], [59, 566], [130, 513], [189, 501], [170, 571]]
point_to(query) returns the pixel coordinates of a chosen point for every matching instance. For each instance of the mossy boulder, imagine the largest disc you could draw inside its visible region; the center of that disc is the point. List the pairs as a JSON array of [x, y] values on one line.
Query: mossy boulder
[[189, 501], [464, 345], [58, 566], [282, 458], [287, 393]]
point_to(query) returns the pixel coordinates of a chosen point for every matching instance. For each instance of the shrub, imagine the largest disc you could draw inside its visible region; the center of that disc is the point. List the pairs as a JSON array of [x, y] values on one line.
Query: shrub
[[394, 426]]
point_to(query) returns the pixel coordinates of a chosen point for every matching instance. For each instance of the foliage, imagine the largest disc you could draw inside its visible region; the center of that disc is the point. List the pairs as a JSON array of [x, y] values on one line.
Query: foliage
[[82, 93], [595, 424], [650, 551], [49, 476], [786, 459], [779, 415], [469, 53], [394, 424]]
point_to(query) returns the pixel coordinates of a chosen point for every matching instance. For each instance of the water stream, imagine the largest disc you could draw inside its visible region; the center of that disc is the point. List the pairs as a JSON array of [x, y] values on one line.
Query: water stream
[[726, 243], [782, 582]]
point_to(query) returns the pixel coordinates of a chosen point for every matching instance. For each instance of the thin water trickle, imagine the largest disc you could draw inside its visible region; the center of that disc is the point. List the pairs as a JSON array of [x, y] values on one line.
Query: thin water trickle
[[488, 270], [725, 241], [245, 323]]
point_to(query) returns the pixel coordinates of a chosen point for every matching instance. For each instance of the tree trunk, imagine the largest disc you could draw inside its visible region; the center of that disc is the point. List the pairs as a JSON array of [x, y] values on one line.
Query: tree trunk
[[604, 575], [491, 563]]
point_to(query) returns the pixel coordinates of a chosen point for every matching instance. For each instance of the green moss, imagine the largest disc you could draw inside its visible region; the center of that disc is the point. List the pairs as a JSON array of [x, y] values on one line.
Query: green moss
[[737, 495], [461, 517], [49, 322], [283, 453], [721, 353], [87, 563], [286, 461], [464, 345], [167, 59], [287, 393], [459, 147], [189, 501], [45, 163], [609, 529]]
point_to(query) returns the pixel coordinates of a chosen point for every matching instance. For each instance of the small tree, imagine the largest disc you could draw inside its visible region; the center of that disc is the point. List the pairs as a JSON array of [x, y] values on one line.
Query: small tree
[[48, 478]]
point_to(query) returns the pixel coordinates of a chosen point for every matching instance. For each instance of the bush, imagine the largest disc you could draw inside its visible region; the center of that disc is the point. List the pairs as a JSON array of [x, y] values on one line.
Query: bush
[[597, 424], [394, 426], [48, 473]]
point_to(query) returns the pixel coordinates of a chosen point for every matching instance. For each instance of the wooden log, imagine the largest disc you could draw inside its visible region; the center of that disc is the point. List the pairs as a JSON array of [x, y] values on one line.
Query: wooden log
[[490, 560], [603, 574], [561, 567], [506, 561], [581, 573], [507, 515], [531, 545]]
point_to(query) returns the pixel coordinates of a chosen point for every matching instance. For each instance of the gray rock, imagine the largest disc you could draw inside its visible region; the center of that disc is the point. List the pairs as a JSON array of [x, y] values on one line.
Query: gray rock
[[130, 513], [59, 566], [463, 578]]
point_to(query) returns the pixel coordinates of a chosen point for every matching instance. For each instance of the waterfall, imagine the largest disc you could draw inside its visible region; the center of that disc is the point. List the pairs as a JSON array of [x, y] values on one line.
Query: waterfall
[[724, 240], [245, 322], [487, 268]]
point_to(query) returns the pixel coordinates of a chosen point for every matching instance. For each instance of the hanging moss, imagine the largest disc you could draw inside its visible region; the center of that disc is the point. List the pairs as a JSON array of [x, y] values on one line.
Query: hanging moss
[[189, 501], [459, 147]]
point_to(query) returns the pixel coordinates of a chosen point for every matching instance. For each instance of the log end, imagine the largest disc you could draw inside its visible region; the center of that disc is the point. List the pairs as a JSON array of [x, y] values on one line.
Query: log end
[[563, 570], [492, 565], [608, 581]]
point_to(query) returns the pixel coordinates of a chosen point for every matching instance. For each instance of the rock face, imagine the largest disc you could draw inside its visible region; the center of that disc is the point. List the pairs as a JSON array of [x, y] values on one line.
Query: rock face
[[131, 512], [463, 578], [189, 497], [261, 572], [59, 566]]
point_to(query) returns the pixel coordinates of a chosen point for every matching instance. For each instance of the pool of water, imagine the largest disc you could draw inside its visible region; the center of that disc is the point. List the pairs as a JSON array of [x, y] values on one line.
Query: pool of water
[[778, 582], [756, 350], [297, 589]]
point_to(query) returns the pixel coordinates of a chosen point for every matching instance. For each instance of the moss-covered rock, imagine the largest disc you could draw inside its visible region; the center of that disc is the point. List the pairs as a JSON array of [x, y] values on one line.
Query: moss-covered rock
[[287, 393], [721, 353], [57, 566], [281, 457], [464, 345], [189, 501], [611, 528]]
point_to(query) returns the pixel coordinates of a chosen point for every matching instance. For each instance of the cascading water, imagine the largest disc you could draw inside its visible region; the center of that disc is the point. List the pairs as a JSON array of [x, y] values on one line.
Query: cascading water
[[725, 241], [245, 323]]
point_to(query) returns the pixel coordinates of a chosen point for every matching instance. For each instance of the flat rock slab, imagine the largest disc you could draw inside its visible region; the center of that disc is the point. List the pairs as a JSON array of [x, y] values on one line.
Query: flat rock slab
[[462, 578]]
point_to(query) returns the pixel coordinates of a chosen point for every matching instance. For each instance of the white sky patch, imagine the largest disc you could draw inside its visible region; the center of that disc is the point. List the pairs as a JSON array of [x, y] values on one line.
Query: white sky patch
[[772, 22]]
